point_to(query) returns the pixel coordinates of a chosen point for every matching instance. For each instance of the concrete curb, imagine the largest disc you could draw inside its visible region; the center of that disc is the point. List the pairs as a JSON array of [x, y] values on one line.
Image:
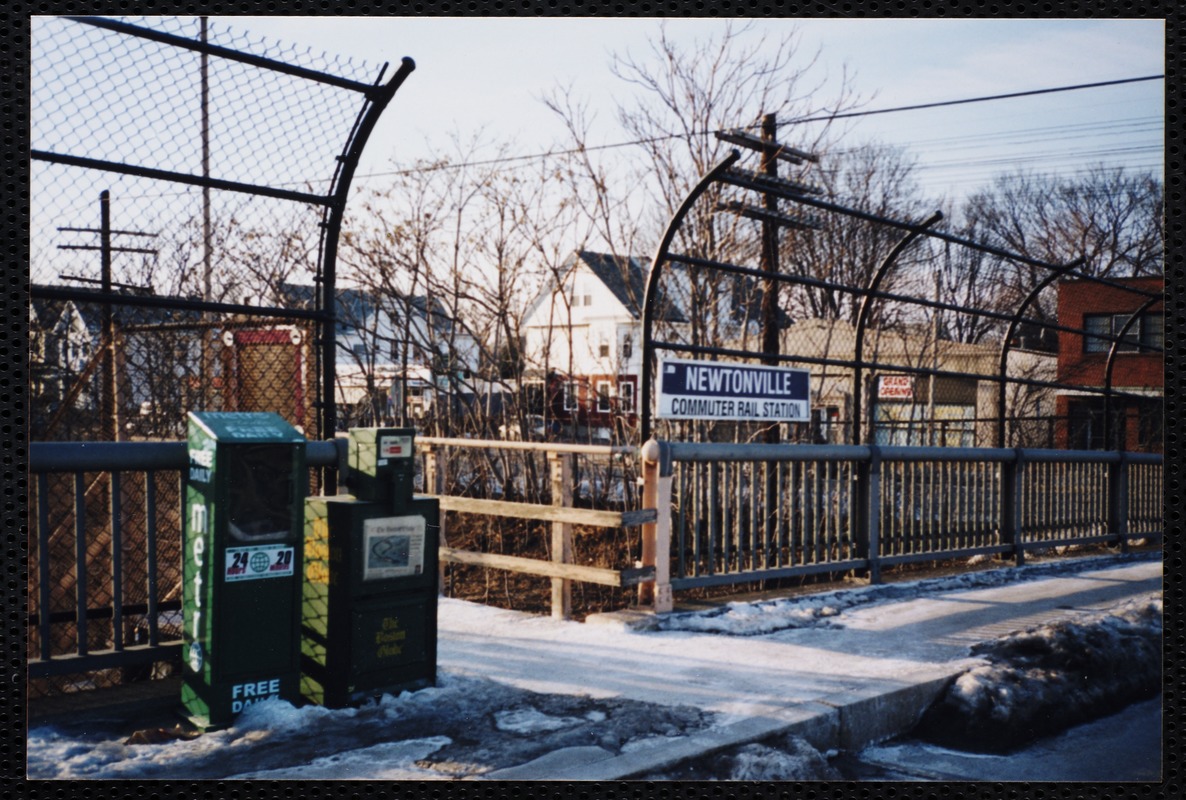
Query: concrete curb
[[850, 721]]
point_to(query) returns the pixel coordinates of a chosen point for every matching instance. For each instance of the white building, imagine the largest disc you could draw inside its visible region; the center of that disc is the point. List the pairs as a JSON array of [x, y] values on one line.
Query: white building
[[582, 339]]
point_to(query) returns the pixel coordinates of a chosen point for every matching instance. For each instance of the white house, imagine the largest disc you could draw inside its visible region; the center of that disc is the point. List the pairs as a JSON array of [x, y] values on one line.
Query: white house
[[582, 339]]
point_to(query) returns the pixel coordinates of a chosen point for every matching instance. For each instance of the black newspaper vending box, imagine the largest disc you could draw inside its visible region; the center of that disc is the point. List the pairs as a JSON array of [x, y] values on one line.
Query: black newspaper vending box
[[370, 589]]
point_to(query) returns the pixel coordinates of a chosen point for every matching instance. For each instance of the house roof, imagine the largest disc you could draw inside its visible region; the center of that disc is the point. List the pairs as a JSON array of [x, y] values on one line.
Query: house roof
[[625, 277], [356, 304], [47, 313]]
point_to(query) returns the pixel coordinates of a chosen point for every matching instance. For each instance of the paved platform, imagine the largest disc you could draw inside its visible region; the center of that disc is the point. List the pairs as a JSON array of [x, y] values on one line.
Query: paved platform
[[839, 688]]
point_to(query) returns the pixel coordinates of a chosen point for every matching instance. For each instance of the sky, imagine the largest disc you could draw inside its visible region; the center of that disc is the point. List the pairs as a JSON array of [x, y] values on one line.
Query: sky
[[489, 74], [485, 78]]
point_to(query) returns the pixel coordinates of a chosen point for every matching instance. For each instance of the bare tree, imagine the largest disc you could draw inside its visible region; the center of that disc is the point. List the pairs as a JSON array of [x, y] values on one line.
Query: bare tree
[[875, 179], [1111, 218]]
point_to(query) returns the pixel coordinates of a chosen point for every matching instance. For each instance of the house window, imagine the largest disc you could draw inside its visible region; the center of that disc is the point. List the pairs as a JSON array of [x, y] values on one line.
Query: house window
[[603, 347], [1147, 334], [626, 397], [588, 299], [360, 350], [627, 346], [572, 397], [604, 398]]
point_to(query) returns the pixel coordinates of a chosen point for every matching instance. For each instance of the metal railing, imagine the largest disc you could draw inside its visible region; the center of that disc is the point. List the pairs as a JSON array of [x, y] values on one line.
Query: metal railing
[[749, 512], [107, 528], [105, 584]]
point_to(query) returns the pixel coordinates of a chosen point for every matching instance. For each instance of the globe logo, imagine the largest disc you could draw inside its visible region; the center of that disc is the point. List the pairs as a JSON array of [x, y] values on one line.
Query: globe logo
[[260, 562]]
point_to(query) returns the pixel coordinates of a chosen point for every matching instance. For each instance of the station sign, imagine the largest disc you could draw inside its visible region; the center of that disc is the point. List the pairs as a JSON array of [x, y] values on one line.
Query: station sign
[[717, 390]]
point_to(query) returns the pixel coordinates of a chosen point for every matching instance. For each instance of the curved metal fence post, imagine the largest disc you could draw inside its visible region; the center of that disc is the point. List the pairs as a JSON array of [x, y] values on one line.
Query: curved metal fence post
[[1136, 315], [648, 303], [1006, 344], [863, 317], [378, 100]]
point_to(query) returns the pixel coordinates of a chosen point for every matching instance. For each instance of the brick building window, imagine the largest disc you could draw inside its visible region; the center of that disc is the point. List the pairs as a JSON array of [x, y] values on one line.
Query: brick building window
[[626, 397], [1146, 335], [572, 396]]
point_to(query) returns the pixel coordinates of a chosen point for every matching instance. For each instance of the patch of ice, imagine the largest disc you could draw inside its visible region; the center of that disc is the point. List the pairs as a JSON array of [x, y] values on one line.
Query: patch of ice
[[387, 761], [531, 720]]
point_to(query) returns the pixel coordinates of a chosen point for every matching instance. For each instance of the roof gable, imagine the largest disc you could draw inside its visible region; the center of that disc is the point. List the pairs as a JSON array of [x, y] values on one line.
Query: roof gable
[[626, 279]]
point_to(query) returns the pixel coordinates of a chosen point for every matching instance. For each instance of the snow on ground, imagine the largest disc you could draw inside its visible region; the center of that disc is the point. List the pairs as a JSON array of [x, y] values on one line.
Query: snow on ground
[[462, 727], [1049, 678], [822, 610], [477, 719]]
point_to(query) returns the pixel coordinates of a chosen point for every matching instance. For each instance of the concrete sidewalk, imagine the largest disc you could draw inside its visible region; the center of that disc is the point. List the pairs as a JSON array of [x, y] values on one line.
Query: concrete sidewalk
[[838, 688], [866, 679]]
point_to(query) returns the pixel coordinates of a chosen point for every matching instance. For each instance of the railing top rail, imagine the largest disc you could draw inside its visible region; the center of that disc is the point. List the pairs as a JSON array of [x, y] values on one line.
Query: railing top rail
[[547, 447], [138, 456], [47, 457], [731, 451]]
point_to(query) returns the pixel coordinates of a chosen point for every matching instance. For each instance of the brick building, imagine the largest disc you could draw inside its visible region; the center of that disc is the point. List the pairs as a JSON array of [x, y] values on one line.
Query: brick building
[[1138, 371]]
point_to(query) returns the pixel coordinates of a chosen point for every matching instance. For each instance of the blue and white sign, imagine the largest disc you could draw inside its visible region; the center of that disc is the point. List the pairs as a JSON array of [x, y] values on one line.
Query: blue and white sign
[[737, 392]]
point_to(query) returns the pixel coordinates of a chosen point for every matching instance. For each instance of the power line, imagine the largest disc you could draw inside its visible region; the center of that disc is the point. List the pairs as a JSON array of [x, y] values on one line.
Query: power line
[[954, 141], [801, 120], [981, 99]]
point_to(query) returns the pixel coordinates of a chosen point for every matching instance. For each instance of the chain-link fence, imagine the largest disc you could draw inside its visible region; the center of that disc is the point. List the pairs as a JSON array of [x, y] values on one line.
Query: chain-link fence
[[182, 173]]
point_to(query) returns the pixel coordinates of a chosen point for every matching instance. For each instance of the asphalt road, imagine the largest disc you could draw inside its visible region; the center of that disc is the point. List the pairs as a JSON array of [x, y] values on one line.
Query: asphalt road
[[1121, 748]]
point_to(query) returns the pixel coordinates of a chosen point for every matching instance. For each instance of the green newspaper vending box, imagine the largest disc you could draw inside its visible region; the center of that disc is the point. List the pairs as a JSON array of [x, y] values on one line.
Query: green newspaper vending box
[[369, 623], [244, 531]]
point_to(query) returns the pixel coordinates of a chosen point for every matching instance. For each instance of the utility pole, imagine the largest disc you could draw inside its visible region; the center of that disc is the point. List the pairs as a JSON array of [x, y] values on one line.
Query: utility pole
[[772, 219], [769, 262], [111, 405], [204, 356]]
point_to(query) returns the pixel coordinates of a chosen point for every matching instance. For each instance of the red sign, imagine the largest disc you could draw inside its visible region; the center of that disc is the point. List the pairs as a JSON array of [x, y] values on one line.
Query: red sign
[[895, 387]]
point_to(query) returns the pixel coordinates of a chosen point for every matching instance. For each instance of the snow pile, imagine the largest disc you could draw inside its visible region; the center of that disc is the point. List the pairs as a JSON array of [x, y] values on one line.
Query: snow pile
[[820, 610], [1048, 678]]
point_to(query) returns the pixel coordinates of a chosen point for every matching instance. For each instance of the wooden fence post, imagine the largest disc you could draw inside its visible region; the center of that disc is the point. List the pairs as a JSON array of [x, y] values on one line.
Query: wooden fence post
[[656, 536], [434, 483], [560, 466]]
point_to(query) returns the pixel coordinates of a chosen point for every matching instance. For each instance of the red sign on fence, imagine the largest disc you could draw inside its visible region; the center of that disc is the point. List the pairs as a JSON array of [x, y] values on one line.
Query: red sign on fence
[[895, 387]]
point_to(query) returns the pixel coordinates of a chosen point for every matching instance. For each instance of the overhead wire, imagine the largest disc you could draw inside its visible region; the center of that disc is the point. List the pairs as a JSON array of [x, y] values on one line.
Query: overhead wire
[[1085, 128], [797, 121]]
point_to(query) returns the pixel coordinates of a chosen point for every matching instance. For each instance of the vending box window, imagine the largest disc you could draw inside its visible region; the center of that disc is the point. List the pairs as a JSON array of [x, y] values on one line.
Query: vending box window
[[370, 598], [241, 594]]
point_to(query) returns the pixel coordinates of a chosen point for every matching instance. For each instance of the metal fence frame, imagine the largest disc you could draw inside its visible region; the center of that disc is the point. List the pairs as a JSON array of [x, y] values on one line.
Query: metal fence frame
[[773, 189], [376, 98]]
